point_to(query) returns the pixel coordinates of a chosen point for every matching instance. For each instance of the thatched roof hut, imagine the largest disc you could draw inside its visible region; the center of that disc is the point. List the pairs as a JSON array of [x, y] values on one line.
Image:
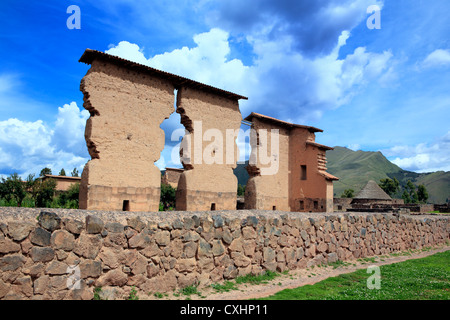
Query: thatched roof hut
[[372, 192]]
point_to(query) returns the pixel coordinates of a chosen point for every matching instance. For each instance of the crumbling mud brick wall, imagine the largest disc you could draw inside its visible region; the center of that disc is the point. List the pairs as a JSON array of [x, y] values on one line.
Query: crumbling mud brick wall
[[209, 152], [127, 103], [268, 184], [123, 136], [300, 182], [66, 254]]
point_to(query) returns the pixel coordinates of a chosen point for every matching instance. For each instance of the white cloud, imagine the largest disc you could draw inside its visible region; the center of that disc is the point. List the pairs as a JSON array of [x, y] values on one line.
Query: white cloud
[[281, 82], [437, 58], [422, 157], [27, 147], [354, 146], [127, 50], [69, 129], [207, 62]]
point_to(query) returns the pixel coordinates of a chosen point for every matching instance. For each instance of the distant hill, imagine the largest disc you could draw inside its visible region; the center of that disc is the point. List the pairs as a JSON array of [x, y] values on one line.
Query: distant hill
[[355, 168], [241, 173]]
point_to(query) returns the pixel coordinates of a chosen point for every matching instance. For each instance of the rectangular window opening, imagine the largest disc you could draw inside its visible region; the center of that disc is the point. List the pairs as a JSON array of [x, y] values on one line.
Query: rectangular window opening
[[302, 205], [303, 172], [126, 205], [274, 208], [213, 206], [316, 205]]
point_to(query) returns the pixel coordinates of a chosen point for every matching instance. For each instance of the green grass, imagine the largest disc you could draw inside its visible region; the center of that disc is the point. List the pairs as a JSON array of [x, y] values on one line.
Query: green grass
[[417, 279], [247, 279]]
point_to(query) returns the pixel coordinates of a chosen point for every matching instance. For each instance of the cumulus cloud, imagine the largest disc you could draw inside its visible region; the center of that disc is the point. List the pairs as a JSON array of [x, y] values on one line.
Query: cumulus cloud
[[437, 58], [280, 79], [422, 157], [208, 62], [281, 82], [27, 147], [313, 26]]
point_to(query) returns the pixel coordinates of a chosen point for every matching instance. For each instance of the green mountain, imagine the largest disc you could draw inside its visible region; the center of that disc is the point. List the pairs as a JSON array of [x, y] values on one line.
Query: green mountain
[[241, 173], [355, 168]]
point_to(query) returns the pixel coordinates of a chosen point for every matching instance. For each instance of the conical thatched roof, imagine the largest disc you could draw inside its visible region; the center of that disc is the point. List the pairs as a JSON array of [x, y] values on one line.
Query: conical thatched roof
[[372, 191]]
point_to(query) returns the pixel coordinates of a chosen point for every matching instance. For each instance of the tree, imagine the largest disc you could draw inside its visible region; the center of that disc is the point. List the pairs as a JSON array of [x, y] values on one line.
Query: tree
[[411, 189], [43, 191], [167, 199], [390, 186], [240, 190], [422, 193], [13, 189], [348, 193], [74, 172], [62, 172], [45, 171], [405, 196], [69, 199]]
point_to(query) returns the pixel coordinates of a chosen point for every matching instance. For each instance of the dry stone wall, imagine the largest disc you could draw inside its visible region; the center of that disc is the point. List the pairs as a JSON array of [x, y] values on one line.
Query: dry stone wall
[[66, 254]]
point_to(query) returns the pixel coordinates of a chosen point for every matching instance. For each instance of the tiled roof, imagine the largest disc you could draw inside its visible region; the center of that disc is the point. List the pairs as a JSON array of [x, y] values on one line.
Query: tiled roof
[[280, 122], [61, 177], [90, 55], [327, 175], [321, 146]]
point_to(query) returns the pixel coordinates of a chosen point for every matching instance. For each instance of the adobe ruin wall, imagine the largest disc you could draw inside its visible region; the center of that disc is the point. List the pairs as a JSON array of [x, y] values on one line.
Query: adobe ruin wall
[[43, 254], [124, 137], [208, 181]]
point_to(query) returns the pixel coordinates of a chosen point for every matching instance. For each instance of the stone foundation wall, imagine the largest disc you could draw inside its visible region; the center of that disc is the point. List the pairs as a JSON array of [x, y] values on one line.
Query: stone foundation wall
[[66, 254]]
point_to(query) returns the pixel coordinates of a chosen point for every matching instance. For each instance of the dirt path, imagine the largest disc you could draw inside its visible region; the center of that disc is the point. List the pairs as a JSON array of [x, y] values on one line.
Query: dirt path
[[297, 278]]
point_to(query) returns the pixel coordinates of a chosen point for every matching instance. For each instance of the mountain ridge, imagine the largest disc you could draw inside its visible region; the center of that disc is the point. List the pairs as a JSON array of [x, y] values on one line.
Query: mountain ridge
[[355, 168]]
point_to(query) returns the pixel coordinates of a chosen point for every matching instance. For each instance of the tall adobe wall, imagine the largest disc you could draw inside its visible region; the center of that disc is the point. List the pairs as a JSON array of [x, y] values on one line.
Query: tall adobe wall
[[268, 191], [124, 137], [209, 150]]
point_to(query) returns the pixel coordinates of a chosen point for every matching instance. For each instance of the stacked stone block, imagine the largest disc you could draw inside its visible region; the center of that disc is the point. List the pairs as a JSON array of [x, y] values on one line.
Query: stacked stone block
[[41, 253]]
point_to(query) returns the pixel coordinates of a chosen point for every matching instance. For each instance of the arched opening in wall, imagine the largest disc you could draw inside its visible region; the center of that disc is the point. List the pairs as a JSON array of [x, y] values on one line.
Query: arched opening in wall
[[170, 158]]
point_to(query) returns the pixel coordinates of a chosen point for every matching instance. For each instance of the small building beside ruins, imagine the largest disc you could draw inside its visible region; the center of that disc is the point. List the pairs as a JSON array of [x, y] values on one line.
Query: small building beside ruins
[[63, 183], [371, 194], [291, 176], [171, 176]]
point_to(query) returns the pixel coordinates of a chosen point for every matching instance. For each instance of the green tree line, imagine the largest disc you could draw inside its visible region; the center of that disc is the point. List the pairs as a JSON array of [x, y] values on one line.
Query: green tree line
[[37, 192], [409, 193]]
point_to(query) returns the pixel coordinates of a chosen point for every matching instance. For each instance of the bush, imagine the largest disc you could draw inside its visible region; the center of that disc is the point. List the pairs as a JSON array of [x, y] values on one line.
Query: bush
[[69, 199], [167, 199], [12, 189]]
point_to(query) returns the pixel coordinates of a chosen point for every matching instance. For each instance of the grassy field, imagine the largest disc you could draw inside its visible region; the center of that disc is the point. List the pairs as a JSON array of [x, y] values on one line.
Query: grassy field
[[418, 279]]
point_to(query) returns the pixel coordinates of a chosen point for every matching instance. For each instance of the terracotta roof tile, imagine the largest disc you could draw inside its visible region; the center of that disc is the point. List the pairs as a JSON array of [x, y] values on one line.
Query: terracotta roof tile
[[280, 122], [327, 175], [321, 146], [90, 55]]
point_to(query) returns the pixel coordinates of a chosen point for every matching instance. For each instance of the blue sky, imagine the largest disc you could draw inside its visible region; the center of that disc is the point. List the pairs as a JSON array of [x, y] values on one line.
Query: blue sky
[[309, 62]]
